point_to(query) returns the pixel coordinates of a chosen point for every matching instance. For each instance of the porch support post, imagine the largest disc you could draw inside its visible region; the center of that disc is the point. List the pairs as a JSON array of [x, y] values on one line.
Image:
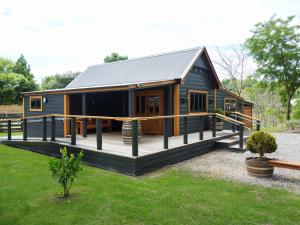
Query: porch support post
[[201, 128], [241, 135], [257, 125], [166, 132], [130, 102], [24, 129], [185, 134], [233, 125], [44, 128], [73, 131], [214, 126], [52, 128], [170, 109], [9, 130], [84, 122], [134, 135], [99, 133]]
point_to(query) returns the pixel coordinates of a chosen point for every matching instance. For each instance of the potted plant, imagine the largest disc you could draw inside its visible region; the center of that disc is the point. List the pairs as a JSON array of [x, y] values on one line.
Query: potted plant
[[219, 122], [260, 142]]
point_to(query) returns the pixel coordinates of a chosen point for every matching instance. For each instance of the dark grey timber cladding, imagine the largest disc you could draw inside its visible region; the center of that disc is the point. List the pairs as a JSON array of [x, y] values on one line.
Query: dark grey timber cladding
[[202, 80], [54, 105]]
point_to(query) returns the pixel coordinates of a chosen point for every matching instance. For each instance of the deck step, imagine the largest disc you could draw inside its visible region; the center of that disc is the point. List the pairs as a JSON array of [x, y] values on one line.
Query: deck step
[[231, 143]]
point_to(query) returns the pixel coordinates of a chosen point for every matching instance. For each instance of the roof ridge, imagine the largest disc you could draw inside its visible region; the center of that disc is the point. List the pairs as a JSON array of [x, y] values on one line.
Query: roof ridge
[[149, 56]]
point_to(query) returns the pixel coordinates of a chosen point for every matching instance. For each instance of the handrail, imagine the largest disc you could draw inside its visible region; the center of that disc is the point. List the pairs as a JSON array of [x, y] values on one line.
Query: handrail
[[228, 119], [241, 114]]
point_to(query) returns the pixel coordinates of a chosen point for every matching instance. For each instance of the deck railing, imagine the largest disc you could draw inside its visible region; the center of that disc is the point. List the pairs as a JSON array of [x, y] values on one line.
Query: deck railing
[[134, 122], [254, 121]]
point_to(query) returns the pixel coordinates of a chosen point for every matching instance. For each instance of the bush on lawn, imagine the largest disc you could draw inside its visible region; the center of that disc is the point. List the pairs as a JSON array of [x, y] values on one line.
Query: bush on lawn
[[261, 142], [66, 169]]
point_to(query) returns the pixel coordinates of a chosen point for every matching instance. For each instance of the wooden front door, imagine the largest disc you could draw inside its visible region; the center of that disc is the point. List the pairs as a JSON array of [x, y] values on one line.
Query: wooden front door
[[150, 103], [248, 112]]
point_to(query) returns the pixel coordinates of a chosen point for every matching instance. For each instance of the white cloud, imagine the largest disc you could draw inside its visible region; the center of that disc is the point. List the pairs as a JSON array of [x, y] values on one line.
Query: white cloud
[[56, 36]]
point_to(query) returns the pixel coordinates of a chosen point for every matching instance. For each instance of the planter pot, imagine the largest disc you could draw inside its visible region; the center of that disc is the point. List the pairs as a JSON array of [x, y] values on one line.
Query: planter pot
[[219, 126], [126, 132], [259, 167]]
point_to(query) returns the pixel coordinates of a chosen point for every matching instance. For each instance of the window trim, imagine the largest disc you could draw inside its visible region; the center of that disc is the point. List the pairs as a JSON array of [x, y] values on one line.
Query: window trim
[[225, 106], [35, 97], [189, 99]]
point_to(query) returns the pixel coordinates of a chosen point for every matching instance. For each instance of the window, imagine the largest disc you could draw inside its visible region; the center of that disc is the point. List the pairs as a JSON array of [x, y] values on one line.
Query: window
[[229, 105], [36, 103], [197, 101]]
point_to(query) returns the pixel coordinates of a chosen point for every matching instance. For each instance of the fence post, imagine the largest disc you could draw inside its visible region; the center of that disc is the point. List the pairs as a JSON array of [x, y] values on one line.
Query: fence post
[[9, 130], [257, 125], [99, 133], [24, 129], [166, 133], [241, 135], [52, 128], [44, 128], [201, 128], [185, 134], [73, 131], [214, 125], [134, 136]]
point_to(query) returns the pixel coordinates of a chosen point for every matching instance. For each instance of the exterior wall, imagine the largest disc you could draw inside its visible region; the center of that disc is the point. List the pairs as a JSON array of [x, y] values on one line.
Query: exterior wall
[[54, 105]]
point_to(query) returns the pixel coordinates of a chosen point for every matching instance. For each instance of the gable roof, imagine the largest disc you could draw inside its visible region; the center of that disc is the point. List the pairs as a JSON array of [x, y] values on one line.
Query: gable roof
[[162, 67]]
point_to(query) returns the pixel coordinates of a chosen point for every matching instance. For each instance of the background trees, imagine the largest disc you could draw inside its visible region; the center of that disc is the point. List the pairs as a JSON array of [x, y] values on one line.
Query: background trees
[[275, 46], [58, 80], [114, 57]]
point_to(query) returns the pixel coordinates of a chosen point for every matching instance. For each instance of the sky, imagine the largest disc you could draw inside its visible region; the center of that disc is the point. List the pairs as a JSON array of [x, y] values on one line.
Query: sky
[[56, 36]]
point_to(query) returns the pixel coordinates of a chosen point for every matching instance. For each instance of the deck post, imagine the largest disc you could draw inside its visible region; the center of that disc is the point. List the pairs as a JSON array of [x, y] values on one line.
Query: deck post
[[257, 125], [166, 133], [201, 128], [130, 102], [44, 128], [52, 128], [99, 134], [185, 134], [9, 130], [241, 135], [24, 129], [170, 109], [233, 125], [213, 126], [84, 122], [134, 136], [73, 131]]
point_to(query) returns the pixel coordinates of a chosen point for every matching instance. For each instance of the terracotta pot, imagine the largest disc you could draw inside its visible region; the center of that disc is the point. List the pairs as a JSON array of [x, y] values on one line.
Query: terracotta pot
[[259, 167], [126, 132]]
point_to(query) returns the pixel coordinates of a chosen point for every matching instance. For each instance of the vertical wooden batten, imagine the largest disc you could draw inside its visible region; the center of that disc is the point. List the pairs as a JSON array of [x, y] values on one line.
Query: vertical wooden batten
[[176, 109], [66, 112], [215, 99], [23, 100]]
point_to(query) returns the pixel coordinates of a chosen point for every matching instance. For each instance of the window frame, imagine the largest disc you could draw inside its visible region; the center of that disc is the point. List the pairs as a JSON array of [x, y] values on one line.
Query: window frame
[[34, 98], [225, 111], [191, 91]]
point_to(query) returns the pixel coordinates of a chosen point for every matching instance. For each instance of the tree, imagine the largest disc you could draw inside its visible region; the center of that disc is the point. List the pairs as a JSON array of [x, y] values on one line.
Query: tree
[[275, 47], [11, 87], [114, 57], [234, 63], [58, 80], [66, 169], [21, 67], [6, 65]]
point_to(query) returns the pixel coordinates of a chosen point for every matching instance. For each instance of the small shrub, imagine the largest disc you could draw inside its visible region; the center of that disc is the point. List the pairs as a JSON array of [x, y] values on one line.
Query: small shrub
[[292, 124], [261, 142], [219, 111], [66, 169]]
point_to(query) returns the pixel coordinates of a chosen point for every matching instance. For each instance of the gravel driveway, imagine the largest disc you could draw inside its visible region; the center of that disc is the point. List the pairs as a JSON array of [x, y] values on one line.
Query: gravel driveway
[[231, 165]]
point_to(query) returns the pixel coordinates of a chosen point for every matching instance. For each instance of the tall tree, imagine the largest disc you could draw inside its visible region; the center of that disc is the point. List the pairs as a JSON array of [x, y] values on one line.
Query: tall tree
[[58, 80], [6, 65], [22, 67], [234, 63], [275, 46], [115, 57]]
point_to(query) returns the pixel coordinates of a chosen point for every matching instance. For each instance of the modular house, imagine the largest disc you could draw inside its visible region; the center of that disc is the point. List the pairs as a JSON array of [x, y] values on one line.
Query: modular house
[[180, 82]]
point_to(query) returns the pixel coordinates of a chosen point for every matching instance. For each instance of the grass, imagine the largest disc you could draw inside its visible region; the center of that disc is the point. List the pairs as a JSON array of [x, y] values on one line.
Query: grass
[[4, 134], [274, 129], [28, 195]]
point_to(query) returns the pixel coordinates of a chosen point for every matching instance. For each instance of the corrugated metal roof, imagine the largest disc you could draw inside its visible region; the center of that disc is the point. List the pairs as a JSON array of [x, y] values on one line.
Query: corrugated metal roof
[[163, 67]]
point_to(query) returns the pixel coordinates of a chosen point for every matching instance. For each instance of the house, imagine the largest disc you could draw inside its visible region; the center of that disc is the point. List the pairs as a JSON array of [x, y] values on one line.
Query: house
[[180, 82]]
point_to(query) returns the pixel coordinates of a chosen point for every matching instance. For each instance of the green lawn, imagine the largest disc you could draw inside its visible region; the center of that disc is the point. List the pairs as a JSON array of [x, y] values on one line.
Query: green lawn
[[28, 196], [4, 134]]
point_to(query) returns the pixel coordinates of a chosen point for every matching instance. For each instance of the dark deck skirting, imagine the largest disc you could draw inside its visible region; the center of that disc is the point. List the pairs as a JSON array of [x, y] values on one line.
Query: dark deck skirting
[[133, 166]]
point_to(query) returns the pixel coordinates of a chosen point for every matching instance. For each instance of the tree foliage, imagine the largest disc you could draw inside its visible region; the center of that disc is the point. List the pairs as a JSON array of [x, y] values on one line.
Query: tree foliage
[[275, 46], [6, 65], [22, 67], [11, 87], [58, 80], [66, 169], [114, 57]]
